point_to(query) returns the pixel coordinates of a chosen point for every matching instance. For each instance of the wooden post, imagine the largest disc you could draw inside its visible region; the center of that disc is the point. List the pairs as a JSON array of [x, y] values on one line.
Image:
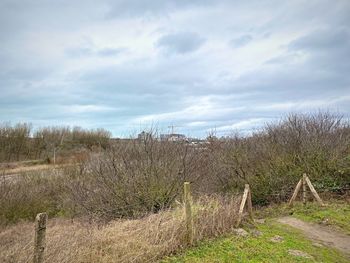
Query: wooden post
[[241, 207], [54, 155], [39, 240], [297, 188], [188, 213], [304, 188], [250, 205], [313, 191]]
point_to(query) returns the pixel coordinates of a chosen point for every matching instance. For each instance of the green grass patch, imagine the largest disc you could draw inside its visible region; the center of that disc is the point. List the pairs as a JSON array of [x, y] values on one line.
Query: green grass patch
[[260, 248], [335, 214]]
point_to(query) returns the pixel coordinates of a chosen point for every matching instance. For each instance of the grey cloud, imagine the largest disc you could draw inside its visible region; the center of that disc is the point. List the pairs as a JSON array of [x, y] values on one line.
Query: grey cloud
[[122, 8], [79, 52], [18, 17], [284, 59], [241, 41], [327, 49], [145, 84], [322, 39], [105, 52], [181, 43]]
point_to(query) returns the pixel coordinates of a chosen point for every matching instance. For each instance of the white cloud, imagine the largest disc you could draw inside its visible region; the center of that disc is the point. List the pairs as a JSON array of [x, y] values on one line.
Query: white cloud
[[245, 124], [76, 109], [201, 108]]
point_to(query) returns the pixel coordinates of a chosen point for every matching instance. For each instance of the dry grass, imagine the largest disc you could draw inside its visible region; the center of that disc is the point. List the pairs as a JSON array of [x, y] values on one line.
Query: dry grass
[[23, 169], [143, 240]]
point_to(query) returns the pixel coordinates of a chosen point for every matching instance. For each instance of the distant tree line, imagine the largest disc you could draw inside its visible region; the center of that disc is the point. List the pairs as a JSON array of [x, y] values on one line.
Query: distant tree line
[[21, 142]]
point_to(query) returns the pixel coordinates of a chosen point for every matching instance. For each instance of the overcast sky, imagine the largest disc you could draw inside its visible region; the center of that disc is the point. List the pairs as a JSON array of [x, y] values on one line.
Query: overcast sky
[[199, 65]]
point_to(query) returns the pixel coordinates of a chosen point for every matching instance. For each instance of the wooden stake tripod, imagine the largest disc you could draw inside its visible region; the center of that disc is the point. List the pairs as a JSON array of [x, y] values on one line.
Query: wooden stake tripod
[[305, 181]]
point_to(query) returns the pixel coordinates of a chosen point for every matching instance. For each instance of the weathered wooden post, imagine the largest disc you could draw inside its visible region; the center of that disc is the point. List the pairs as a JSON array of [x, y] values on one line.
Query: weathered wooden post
[[188, 213], [39, 240], [245, 197], [250, 205], [304, 188], [295, 193], [313, 191]]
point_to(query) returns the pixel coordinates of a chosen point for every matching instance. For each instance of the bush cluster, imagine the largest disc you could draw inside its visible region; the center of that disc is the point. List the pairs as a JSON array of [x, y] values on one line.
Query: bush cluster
[[131, 178]]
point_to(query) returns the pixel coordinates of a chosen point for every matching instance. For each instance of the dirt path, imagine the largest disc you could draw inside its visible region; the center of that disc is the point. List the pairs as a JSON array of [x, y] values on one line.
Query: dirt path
[[323, 234]]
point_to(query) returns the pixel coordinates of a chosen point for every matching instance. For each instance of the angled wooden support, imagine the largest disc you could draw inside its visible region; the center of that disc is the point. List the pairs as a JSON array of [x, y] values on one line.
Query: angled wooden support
[[297, 188], [313, 191], [305, 181], [246, 198]]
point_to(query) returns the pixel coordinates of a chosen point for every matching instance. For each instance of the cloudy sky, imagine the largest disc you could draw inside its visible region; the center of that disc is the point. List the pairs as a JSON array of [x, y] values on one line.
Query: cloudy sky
[[199, 65]]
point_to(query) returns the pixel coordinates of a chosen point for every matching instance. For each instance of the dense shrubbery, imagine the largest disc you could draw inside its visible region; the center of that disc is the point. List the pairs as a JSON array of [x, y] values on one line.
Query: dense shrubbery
[[273, 160], [29, 194], [132, 177], [20, 142], [149, 175]]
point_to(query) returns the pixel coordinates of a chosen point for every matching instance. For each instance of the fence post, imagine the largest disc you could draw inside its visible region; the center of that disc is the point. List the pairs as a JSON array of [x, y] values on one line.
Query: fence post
[[39, 240], [188, 213], [304, 188], [250, 205], [241, 207]]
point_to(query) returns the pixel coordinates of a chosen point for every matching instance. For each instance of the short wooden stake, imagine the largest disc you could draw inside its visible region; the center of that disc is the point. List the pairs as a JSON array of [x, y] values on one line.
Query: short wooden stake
[[188, 213], [304, 189], [245, 198], [39, 240]]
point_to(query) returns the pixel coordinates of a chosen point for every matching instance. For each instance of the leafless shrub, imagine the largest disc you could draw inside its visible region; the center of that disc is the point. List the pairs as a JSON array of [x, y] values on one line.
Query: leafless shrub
[[135, 177]]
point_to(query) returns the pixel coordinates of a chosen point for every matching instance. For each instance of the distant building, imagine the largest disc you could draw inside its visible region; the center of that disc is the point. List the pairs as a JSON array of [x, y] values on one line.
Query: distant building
[[173, 137], [143, 136]]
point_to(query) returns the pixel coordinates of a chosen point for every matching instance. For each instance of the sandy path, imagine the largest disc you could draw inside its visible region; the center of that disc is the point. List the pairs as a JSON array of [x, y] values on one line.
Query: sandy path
[[323, 234]]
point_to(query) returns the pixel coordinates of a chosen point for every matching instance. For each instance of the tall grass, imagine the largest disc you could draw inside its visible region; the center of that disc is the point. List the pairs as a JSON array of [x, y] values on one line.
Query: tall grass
[[141, 240]]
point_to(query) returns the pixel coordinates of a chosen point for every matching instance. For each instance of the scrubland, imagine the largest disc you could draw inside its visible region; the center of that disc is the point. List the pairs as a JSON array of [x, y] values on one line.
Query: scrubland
[[123, 203]]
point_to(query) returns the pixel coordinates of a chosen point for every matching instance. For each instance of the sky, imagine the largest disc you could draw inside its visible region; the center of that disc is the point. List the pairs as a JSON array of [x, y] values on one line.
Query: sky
[[202, 66]]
